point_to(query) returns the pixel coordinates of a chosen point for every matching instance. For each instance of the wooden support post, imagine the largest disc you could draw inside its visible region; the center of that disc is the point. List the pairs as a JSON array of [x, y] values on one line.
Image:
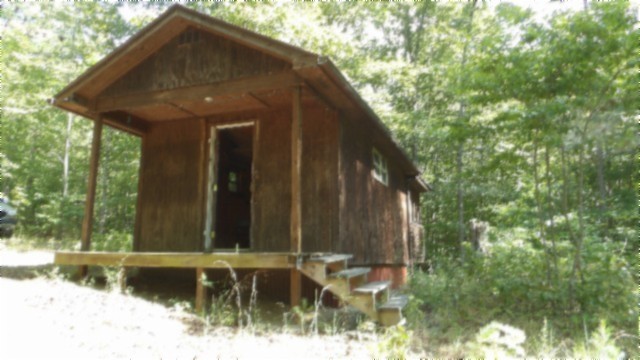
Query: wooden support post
[[200, 293], [210, 211], [296, 159], [296, 287], [87, 222], [296, 206], [137, 230]]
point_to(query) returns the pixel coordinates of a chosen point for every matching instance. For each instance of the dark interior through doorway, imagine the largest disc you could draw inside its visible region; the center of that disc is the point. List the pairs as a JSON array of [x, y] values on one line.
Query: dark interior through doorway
[[233, 208]]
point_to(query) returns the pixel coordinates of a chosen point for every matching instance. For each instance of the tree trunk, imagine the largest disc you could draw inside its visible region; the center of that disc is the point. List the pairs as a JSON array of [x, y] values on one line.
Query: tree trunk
[[565, 212], [65, 176], [602, 189], [550, 211], [65, 159], [576, 270], [536, 194], [460, 198]]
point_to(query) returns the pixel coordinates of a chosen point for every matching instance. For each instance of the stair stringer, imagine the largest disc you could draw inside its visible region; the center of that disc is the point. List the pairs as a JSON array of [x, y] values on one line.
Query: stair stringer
[[342, 287]]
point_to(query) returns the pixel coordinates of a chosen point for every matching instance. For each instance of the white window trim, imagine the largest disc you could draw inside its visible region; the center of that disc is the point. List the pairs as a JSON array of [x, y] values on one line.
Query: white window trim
[[380, 170]]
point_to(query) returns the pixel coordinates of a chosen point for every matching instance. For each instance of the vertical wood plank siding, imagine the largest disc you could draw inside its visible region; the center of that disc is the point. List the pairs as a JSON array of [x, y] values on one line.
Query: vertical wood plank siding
[[171, 204], [320, 180], [373, 217], [272, 184]]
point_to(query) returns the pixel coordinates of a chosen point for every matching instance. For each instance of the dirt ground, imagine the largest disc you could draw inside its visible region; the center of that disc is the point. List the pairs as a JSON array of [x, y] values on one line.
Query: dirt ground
[[49, 318]]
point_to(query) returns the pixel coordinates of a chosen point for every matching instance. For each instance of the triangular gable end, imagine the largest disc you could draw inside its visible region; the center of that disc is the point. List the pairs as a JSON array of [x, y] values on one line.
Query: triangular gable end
[[195, 57], [166, 28]]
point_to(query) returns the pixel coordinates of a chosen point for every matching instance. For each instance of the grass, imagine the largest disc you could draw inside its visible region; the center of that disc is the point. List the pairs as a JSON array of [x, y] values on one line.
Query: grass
[[23, 243]]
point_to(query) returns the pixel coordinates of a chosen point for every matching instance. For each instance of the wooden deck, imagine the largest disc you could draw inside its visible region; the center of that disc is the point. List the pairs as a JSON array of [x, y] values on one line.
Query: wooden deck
[[178, 259], [328, 270]]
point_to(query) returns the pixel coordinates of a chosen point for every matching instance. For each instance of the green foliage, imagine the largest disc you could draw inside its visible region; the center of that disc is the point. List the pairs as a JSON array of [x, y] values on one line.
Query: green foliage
[[115, 279], [395, 342], [112, 241], [510, 285], [600, 345], [222, 310], [45, 46], [525, 124]]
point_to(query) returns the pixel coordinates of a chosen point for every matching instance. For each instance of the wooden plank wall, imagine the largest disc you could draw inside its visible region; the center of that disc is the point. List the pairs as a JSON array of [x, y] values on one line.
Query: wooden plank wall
[[272, 183], [192, 58], [319, 179], [171, 196], [373, 217]]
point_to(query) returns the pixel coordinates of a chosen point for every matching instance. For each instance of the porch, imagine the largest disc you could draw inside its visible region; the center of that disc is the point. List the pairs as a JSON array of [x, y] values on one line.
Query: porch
[[198, 261], [331, 271]]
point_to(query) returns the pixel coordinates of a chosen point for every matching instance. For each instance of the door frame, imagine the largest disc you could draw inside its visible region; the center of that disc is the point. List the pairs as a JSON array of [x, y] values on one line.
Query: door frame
[[212, 180]]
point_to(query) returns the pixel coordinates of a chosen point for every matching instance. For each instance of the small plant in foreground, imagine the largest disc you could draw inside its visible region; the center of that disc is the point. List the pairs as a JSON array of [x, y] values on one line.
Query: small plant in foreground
[[395, 342], [303, 313], [600, 345], [221, 311], [115, 280]]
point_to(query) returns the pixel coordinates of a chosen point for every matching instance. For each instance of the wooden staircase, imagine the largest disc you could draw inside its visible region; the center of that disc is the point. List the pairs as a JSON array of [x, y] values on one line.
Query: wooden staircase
[[350, 285]]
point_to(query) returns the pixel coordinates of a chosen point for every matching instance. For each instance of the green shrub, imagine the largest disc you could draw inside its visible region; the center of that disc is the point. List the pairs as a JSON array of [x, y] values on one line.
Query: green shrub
[[112, 241], [513, 284]]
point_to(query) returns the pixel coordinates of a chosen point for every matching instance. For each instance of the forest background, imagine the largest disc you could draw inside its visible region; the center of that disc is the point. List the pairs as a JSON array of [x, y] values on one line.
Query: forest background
[[524, 125]]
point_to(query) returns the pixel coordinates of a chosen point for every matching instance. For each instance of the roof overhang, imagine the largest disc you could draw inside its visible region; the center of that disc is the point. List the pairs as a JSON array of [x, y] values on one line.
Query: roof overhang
[[131, 113]]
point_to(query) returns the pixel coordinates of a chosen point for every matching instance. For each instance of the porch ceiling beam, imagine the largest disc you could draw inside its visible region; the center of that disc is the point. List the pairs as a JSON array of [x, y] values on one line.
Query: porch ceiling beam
[[127, 123], [255, 84]]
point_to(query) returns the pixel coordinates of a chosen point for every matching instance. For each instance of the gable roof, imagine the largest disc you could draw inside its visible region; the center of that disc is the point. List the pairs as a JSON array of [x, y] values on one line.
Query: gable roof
[[318, 72]]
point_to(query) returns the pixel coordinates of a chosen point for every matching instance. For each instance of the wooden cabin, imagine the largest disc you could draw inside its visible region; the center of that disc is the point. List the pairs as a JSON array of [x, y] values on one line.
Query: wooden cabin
[[255, 153]]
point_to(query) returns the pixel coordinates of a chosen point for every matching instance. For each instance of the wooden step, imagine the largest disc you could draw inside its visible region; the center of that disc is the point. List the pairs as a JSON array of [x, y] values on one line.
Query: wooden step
[[366, 297], [350, 273], [396, 302], [390, 313], [331, 258], [373, 287]]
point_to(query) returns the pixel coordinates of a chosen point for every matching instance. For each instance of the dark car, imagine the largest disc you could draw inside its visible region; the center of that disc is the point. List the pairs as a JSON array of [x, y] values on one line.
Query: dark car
[[8, 218]]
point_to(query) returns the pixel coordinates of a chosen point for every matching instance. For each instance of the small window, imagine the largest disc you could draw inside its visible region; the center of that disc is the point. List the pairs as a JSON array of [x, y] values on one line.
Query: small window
[[380, 172], [233, 182]]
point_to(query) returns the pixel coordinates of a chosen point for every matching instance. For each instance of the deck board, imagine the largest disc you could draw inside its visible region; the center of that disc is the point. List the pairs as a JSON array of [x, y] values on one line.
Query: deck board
[[177, 260]]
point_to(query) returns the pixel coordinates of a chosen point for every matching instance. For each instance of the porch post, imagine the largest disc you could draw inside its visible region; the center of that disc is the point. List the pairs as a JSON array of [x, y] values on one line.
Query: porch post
[[200, 291], [296, 208], [87, 222]]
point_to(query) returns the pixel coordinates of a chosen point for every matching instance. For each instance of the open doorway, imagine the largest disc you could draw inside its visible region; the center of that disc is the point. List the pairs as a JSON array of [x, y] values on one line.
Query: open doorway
[[232, 215]]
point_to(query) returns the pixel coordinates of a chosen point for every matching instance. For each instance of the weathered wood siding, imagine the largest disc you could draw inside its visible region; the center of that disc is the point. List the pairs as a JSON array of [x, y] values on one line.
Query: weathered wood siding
[[194, 58], [272, 183], [320, 134], [373, 217], [171, 192]]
